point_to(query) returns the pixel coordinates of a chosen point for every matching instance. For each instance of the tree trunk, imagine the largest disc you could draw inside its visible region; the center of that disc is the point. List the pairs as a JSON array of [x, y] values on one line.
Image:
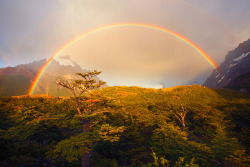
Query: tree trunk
[[85, 160], [77, 105], [183, 122], [86, 156]]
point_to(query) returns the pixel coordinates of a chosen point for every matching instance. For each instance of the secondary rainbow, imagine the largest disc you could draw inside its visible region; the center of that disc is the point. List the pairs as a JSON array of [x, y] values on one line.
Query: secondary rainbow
[[190, 43]]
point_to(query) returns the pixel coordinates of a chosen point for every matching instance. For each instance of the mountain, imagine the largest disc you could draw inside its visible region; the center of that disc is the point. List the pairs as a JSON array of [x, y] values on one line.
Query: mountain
[[234, 71], [17, 80]]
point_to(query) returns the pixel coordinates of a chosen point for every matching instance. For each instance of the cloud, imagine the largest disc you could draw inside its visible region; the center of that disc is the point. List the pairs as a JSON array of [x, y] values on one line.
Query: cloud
[[136, 54], [37, 29], [67, 57]]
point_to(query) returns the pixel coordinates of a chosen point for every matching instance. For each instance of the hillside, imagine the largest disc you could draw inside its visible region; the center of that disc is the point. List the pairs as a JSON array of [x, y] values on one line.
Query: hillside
[[128, 125], [17, 80]]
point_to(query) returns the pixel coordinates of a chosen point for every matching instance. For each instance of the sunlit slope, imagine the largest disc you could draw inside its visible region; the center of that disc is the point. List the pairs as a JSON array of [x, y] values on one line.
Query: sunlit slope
[[207, 109], [216, 128], [180, 93]]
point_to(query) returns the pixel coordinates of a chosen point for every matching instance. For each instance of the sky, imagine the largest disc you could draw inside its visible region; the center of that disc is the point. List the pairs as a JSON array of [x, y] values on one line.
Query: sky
[[37, 29]]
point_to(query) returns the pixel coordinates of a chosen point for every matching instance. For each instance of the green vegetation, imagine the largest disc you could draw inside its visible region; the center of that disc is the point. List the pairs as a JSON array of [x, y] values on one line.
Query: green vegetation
[[128, 126]]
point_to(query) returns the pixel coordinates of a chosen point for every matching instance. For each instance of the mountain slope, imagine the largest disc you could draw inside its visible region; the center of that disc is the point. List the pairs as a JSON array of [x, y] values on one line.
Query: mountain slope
[[234, 70], [17, 80], [216, 131]]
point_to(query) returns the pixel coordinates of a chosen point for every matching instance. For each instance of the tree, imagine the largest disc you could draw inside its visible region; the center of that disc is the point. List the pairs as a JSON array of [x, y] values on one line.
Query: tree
[[162, 162], [79, 87], [87, 109], [180, 115]]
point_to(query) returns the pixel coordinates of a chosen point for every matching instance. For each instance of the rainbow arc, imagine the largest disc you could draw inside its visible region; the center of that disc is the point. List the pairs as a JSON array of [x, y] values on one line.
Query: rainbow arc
[[157, 28]]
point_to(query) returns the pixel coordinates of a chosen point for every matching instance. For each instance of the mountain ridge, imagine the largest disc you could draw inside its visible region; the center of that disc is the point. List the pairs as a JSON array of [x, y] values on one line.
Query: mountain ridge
[[16, 81], [233, 69]]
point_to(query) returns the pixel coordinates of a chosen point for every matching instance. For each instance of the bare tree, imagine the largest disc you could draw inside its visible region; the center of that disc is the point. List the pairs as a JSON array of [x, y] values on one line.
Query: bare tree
[[180, 115]]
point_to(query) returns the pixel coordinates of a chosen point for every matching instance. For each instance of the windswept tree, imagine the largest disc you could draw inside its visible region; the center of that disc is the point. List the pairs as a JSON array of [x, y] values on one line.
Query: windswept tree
[[81, 86], [94, 128]]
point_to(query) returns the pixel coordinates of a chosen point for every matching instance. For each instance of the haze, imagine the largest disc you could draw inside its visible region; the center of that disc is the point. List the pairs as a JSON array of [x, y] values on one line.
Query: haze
[[127, 56]]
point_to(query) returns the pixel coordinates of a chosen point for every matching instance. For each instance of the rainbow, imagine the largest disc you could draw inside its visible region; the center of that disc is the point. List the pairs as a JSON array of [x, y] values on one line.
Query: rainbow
[[58, 52]]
